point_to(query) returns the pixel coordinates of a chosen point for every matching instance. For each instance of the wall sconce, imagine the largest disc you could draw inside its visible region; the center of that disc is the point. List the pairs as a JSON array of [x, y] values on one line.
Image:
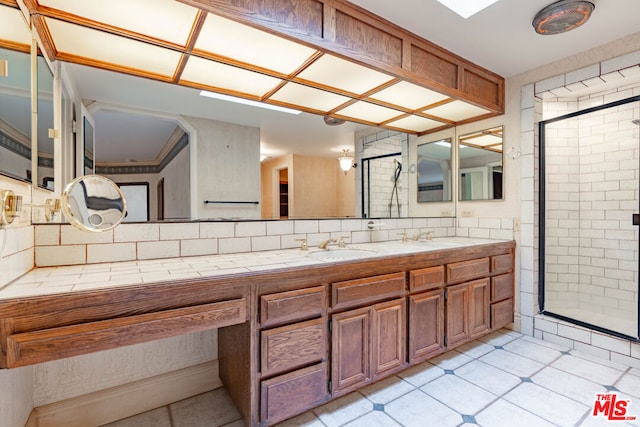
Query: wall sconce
[[346, 161], [4, 68]]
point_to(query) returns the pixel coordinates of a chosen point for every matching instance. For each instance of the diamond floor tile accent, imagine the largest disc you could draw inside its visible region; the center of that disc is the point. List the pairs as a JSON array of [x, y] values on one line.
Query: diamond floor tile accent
[[501, 380]]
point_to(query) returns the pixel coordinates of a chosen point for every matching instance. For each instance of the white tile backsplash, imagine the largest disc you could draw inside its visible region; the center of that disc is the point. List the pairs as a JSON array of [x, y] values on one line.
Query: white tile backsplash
[[136, 232], [179, 231], [111, 252]]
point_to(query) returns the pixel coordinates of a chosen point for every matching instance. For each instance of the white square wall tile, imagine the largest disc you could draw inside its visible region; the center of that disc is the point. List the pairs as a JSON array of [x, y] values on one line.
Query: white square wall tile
[[194, 247], [234, 245], [217, 229], [265, 243], [70, 235], [179, 231], [136, 232], [305, 226], [162, 249], [111, 252], [47, 235], [251, 228], [46, 256], [279, 227]]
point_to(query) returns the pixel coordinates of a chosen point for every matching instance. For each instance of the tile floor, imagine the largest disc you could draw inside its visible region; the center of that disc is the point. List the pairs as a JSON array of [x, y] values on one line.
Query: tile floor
[[504, 379]]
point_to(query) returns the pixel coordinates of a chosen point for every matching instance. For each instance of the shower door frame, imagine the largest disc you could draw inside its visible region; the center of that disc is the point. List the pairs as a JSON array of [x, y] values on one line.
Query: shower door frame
[[365, 213], [542, 229]]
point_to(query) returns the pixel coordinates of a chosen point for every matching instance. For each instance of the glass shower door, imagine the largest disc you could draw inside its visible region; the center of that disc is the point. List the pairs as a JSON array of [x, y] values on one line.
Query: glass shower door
[[589, 194]]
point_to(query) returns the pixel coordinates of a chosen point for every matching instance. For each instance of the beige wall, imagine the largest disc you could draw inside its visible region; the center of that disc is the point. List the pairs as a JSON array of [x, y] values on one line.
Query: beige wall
[[269, 182], [317, 187]]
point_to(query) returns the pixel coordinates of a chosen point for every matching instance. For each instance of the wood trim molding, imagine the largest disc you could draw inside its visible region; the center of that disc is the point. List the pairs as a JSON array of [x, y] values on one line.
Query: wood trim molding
[[126, 400]]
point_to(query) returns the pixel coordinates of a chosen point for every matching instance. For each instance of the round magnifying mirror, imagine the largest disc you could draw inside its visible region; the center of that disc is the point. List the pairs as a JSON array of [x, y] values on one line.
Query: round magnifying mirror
[[93, 203]]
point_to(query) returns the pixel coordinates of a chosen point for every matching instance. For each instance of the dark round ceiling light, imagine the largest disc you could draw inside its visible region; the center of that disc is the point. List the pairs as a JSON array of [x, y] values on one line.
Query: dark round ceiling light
[[333, 121], [562, 16]]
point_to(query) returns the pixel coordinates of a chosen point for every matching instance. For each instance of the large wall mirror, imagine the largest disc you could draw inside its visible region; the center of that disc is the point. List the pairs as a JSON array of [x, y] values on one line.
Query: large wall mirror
[[15, 116], [434, 171], [480, 165], [45, 123]]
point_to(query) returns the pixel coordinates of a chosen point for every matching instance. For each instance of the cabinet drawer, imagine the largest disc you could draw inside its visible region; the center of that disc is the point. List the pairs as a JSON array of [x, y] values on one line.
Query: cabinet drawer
[[501, 313], [353, 293], [292, 346], [463, 271], [501, 263], [287, 307], [426, 279], [291, 394], [501, 287], [29, 348]]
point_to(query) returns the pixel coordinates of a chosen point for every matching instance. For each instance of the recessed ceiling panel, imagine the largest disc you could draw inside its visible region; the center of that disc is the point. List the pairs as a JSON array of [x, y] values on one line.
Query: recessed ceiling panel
[[348, 76], [456, 111], [215, 74], [408, 95], [416, 123], [230, 39], [93, 44], [369, 112], [162, 19], [484, 140], [12, 26], [305, 96]]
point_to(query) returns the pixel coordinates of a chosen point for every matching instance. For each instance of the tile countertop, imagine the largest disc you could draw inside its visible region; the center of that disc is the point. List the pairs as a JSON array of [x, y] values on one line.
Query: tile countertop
[[54, 280]]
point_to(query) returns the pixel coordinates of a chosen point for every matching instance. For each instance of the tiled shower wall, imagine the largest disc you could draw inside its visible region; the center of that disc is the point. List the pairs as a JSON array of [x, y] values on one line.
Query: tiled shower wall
[[592, 253], [382, 172], [544, 327]]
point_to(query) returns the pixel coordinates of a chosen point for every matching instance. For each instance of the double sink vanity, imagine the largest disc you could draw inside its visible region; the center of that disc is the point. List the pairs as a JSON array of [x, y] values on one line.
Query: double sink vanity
[[295, 328]]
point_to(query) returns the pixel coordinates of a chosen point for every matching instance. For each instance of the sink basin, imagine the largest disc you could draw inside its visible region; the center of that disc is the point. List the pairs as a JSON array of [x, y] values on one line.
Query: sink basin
[[340, 254], [437, 244]]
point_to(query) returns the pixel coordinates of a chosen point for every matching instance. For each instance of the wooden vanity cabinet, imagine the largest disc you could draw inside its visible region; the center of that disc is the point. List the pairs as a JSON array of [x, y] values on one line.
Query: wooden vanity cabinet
[[368, 342], [426, 313], [293, 353], [467, 303], [501, 293]]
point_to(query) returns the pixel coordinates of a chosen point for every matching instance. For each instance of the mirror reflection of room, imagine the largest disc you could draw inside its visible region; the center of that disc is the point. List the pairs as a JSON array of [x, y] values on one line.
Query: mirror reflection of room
[[15, 115], [434, 171], [480, 163]]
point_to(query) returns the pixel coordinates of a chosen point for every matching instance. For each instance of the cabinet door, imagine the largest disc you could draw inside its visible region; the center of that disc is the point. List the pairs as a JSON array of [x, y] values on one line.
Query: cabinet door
[[457, 314], [426, 325], [479, 308], [350, 366], [388, 337]]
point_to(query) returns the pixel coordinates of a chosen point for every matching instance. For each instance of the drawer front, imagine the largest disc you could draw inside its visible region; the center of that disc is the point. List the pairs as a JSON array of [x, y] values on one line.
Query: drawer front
[[287, 307], [501, 263], [292, 346], [501, 287], [291, 394], [459, 272], [426, 279], [29, 348], [501, 313], [353, 293]]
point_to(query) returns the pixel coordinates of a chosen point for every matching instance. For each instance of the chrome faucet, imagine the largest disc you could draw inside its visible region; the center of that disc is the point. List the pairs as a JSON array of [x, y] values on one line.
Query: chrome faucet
[[325, 243]]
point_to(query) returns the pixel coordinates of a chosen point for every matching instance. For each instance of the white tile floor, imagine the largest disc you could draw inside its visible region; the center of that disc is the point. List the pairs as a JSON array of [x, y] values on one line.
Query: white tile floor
[[504, 379]]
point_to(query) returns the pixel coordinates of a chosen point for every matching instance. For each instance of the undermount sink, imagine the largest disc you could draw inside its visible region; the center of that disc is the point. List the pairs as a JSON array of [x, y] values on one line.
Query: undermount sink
[[338, 254], [438, 244]]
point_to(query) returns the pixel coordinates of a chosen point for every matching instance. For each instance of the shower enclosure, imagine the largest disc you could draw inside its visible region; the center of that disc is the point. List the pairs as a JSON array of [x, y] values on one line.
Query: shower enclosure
[[383, 175], [589, 205]]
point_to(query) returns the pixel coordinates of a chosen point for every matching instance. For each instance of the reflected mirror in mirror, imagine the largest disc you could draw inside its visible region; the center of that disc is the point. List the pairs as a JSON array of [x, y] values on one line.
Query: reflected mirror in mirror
[[45, 122], [88, 136], [93, 203], [15, 116], [433, 171], [480, 162]]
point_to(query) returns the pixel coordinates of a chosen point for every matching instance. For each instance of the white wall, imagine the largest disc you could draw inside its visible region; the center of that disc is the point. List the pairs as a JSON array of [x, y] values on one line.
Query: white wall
[[228, 168]]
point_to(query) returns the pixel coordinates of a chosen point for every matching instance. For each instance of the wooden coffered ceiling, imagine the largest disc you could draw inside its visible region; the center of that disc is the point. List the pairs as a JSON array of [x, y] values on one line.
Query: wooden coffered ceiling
[[327, 57]]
